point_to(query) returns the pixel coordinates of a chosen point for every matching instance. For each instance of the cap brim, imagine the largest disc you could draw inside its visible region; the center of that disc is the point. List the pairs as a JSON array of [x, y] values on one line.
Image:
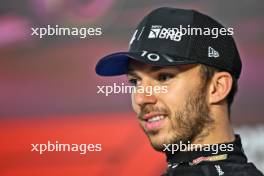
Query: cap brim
[[117, 63]]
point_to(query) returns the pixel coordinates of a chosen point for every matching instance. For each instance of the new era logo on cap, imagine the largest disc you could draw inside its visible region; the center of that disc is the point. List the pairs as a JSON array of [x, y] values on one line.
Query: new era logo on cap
[[212, 52]]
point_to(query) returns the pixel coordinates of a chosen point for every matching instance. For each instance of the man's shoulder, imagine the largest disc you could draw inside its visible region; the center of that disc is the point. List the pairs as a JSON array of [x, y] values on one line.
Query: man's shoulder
[[237, 169], [216, 169]]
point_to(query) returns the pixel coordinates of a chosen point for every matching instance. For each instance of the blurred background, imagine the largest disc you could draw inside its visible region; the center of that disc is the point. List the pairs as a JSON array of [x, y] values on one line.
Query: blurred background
[[48, 87]]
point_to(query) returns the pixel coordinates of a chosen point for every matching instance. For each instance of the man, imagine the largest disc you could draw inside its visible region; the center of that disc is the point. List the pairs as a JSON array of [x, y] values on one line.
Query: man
[[196, 59]]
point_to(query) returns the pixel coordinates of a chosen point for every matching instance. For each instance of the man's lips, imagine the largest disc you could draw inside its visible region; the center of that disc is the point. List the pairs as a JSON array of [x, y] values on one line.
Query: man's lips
[[153, 115], [154, 120]]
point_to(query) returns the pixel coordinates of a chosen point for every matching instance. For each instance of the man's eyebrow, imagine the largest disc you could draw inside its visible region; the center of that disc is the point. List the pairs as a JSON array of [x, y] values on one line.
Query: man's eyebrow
[[130, 71], [156, 68]]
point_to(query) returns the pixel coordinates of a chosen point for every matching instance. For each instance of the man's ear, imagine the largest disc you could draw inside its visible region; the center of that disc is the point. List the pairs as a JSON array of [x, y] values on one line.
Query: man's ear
[[220, 86]]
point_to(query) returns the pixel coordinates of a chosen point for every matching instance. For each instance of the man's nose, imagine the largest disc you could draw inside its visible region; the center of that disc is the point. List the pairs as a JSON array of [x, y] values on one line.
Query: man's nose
[[143, 98]]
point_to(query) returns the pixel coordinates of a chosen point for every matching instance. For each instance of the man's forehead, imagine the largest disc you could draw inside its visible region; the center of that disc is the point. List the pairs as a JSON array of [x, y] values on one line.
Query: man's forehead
[[135, 65], [139, 66]]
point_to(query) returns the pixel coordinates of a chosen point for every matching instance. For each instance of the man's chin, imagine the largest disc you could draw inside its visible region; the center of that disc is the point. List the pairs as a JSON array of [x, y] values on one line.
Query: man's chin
[[158, 141], [157, 146]]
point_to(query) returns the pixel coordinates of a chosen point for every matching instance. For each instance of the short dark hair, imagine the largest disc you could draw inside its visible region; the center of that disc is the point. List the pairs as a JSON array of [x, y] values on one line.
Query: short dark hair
[[207, 72]]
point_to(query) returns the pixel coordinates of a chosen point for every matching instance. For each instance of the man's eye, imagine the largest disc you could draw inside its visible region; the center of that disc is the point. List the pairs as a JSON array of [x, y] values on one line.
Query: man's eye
[[165, 77], [133, 81]]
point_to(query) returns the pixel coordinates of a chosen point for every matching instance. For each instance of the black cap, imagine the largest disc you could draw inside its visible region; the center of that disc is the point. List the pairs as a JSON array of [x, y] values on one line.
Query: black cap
[[170, 36]]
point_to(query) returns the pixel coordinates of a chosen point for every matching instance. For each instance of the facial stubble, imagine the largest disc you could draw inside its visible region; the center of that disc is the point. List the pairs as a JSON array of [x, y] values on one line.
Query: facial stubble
[[190, 122]]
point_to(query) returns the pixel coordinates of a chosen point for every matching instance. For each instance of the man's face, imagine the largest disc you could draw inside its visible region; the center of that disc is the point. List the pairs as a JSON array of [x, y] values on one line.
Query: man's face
[[180, 114]]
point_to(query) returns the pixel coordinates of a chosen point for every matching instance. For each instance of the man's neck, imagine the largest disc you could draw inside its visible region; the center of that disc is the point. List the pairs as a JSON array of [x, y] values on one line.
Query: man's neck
[[221, 131]]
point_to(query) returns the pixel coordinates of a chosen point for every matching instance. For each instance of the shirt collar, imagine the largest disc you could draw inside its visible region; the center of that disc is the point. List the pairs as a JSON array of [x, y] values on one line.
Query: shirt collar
[[195, 157]]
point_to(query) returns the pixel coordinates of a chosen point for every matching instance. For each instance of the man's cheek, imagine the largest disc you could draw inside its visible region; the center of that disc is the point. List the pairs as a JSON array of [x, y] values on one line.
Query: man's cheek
[[134, 105], [173, 100]]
